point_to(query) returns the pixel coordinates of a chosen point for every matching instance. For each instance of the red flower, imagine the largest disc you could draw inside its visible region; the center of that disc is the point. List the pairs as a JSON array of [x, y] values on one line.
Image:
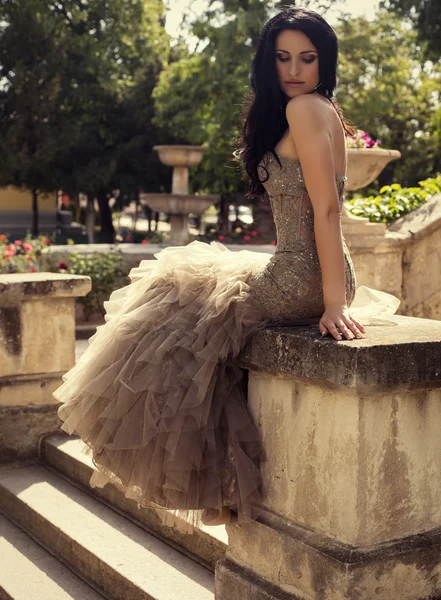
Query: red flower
[[145, 242], [8, 254], [63, 265], [2, 237], [221, 238], [11, 248], [254, 233], [18, 242], [127, 238], [28, 257], [28, 247], [246, 238], [274, 243], [32, 270], [47, 241]]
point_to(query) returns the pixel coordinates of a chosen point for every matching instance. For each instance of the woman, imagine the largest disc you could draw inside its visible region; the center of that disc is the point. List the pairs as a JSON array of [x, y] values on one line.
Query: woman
[[156, 396]]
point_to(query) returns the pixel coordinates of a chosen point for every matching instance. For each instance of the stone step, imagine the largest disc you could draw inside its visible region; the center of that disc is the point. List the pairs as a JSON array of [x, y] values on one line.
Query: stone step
[[29, 572], [65, 454], [121, 559]]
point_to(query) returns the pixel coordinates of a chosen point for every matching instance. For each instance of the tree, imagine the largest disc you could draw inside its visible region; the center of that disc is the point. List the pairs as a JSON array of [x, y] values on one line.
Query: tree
[[425, 16], [70, 82], [123, 46], [31, 121], [390, 94]]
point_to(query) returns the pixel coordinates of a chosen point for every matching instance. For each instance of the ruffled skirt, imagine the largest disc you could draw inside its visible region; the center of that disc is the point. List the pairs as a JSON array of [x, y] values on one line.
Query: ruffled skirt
[[156, 396]]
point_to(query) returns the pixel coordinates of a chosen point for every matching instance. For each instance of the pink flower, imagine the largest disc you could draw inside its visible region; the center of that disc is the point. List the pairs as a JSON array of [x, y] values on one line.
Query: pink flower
[[28, 257], [145, 242], [246, 238], [11, 248], [274, 243], [18, 242], [8, 254], [2, 237], [254, 233], [32, 270], [28, 247], [221, 238], [127, 238], [47, 241]]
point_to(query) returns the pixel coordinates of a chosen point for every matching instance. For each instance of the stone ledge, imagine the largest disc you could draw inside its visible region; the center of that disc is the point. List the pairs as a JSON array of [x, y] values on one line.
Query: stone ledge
[[421, 221], [310, 565], [23, 428], [406, 353], [16, 287], [235, 583]]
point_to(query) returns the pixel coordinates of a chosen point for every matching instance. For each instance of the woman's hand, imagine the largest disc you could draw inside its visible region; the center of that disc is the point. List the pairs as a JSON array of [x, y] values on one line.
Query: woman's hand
[[337, 321]]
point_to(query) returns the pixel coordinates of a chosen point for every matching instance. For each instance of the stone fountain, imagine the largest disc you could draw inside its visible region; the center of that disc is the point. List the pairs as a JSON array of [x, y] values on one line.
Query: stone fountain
[[179, 204]]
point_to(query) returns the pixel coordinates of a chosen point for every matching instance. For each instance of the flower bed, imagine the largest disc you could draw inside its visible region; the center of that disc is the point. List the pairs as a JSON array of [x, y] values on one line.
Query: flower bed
[[21, 256]]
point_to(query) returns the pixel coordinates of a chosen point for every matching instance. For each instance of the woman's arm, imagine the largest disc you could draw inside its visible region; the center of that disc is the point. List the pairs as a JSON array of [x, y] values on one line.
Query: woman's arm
[[313, 144]]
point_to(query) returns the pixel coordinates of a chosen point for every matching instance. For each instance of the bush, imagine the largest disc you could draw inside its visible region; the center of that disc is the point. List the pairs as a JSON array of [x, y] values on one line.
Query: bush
[[106, 273], [394, 201]]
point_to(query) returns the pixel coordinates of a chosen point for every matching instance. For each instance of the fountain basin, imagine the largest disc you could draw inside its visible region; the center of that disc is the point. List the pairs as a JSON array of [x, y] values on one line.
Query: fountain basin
[[179, 204], [180, 156], [365, 164]]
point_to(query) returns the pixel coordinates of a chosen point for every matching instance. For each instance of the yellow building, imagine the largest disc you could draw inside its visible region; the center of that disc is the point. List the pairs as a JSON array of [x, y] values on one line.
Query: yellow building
[[16, 212]]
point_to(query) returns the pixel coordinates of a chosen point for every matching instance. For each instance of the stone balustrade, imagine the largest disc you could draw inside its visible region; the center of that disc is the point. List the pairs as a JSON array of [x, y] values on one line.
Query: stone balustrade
[[37, 345], [352, 483]]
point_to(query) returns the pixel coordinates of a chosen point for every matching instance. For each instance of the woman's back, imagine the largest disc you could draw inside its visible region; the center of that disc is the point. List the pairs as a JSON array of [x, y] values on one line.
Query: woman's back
[[289, 288], [332, 121]]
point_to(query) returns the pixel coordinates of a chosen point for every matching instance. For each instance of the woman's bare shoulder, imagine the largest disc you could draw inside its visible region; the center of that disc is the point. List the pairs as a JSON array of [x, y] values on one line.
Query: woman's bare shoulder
[[307, 105]]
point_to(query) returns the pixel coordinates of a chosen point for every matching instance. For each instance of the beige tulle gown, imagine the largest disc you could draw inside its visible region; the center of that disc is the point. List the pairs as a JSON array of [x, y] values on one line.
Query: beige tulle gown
[[157, 397]]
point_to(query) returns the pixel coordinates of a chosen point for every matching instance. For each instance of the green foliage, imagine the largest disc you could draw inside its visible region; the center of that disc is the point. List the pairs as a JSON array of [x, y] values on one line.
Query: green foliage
[[106, 273], [394, 201], [426, 20], [390, 95], [75, 100], [21, 255], [31, 69]]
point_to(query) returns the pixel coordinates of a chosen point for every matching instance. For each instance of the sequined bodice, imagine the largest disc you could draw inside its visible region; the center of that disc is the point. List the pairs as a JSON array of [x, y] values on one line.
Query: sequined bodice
[[290, 201], [289, 287]]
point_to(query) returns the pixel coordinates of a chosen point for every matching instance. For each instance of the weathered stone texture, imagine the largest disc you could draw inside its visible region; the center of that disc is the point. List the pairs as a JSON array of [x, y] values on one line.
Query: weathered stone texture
[[37, 345], [352, 481]]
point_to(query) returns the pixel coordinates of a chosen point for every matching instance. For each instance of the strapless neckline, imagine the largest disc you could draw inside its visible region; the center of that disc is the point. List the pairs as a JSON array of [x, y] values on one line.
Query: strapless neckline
[[297, 162]]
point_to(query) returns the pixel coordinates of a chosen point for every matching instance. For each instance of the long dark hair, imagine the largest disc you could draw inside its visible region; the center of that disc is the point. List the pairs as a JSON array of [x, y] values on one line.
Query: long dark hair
[[264, 111]]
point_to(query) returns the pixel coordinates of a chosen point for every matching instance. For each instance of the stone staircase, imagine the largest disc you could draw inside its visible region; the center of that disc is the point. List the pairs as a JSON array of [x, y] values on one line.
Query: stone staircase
[[61, 539]]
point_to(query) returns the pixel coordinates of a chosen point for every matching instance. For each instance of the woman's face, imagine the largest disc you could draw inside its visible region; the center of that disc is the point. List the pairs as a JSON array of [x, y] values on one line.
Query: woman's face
[[297, 60]]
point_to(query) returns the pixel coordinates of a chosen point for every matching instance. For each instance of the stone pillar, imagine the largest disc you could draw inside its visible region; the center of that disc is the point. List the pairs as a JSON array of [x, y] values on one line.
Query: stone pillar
[[37, 345], [352, 484]]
